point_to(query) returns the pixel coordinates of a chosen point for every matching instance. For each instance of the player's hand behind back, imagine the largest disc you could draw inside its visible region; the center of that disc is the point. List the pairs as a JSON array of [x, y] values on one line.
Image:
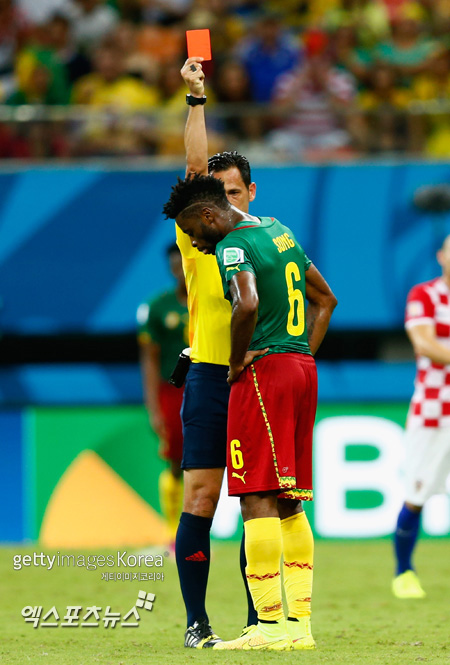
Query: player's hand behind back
[[194, 79]]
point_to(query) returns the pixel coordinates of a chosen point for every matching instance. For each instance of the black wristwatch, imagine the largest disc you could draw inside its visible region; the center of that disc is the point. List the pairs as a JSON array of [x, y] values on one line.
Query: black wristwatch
[[195, 101]]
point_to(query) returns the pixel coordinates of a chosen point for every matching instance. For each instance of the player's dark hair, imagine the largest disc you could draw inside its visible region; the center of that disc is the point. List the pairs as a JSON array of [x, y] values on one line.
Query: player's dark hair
[[172, 249], [223, 161], [195, 189]]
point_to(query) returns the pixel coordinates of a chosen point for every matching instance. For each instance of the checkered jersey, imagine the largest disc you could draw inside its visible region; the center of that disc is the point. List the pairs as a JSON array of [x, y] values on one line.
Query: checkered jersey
[[430, 404]]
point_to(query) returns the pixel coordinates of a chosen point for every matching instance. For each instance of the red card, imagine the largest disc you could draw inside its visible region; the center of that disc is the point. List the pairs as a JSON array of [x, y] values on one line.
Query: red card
[[198, 44]]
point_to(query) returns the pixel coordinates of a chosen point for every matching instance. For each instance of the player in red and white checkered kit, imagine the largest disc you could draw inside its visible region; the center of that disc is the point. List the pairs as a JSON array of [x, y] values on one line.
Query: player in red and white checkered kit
[[427, 464]]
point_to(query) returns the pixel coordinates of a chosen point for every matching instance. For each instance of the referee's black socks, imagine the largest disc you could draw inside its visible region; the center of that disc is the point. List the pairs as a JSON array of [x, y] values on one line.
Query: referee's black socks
[[193, 553]]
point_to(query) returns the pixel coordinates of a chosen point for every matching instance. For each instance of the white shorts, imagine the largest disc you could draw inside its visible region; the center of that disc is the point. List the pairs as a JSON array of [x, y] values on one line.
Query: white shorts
[[427, 463]]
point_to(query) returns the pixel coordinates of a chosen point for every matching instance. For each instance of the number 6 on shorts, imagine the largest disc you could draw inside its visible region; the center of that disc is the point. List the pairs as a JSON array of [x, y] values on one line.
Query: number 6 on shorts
[[237, 460]]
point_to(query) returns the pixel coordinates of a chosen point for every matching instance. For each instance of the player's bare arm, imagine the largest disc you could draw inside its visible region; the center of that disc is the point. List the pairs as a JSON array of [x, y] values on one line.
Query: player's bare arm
[[321, 303], [244, 314], [195, 138], [424, 341], [150, 363]]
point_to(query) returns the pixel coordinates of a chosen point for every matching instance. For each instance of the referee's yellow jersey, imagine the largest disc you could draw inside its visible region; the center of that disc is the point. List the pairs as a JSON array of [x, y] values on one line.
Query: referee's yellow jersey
[[209, 312]]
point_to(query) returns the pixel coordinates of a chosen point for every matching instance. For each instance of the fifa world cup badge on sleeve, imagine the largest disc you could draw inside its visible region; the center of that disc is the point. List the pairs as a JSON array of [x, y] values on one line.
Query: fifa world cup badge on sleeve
[[232, 255]]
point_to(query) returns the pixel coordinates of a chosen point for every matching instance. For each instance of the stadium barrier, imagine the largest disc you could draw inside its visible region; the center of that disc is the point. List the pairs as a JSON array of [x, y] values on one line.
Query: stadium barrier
[[87, 477]]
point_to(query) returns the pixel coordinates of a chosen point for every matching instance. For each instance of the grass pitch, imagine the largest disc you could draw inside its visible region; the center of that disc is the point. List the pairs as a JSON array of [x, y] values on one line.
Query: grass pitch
[[355, 618]]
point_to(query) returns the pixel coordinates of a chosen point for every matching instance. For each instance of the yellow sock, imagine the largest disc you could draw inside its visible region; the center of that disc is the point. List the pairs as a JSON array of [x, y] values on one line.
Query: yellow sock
[[298, 552], [263, 552], [170, 498]]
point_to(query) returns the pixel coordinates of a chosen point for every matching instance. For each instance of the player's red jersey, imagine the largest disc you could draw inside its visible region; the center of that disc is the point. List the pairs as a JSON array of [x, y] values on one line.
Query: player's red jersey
[[429, 303]]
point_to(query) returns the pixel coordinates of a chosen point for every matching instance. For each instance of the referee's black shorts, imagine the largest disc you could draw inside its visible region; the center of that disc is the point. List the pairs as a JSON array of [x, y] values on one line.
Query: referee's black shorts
[[204, 415]]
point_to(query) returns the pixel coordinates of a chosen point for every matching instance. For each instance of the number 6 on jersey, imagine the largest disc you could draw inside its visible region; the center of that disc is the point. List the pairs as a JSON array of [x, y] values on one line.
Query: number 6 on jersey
[[292, 272]]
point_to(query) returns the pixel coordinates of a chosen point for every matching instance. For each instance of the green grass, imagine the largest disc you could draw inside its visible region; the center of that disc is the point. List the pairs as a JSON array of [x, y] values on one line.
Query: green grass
[[355, 618]]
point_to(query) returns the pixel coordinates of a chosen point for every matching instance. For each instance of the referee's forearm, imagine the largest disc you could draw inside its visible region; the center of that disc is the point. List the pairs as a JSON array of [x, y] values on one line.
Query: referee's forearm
[[196, 142]]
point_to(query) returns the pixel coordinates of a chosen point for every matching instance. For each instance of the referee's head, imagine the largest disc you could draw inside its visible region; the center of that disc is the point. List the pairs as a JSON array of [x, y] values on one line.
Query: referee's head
[[234, 171]]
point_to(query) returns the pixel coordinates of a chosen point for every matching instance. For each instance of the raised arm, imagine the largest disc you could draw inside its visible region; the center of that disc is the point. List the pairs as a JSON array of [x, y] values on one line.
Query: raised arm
[[425, 343], [321, 303], [195, 138]]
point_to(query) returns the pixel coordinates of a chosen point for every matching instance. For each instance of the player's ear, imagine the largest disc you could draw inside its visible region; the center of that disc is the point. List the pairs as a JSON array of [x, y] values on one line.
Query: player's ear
[[207, 215], [252, 191]]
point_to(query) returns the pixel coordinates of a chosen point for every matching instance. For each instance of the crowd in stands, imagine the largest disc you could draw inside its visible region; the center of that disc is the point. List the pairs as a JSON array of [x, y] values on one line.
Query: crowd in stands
[[290, 79]]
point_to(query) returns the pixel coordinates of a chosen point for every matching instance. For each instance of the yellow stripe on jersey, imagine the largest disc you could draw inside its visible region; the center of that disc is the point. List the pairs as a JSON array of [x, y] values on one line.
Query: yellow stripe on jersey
[[209, 312]]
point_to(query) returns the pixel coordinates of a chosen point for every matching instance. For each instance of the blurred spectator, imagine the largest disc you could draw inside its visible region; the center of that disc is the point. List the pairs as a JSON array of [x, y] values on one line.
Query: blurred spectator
[[385, 121], [369, 17], [313, 100], [408, 50], [248, 10], [39, 12], [42, 78], [110, 86], [130, 10], [268, 55], [162, 44], [307, 56], [47, 140], [33, 140], [13, 142], [438, 17], [137, 64], [347, 55], [434, 83], [59, 39], [165, 12], [252, 141], [13, 31], [171, 86], [233, 87], [232, 83], [92, 21], [226, 28], [300, 13], [434, 86]]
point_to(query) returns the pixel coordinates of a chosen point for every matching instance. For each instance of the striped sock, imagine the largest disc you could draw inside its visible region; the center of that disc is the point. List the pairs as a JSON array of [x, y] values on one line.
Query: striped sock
[[263, 552], [298, 552]]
